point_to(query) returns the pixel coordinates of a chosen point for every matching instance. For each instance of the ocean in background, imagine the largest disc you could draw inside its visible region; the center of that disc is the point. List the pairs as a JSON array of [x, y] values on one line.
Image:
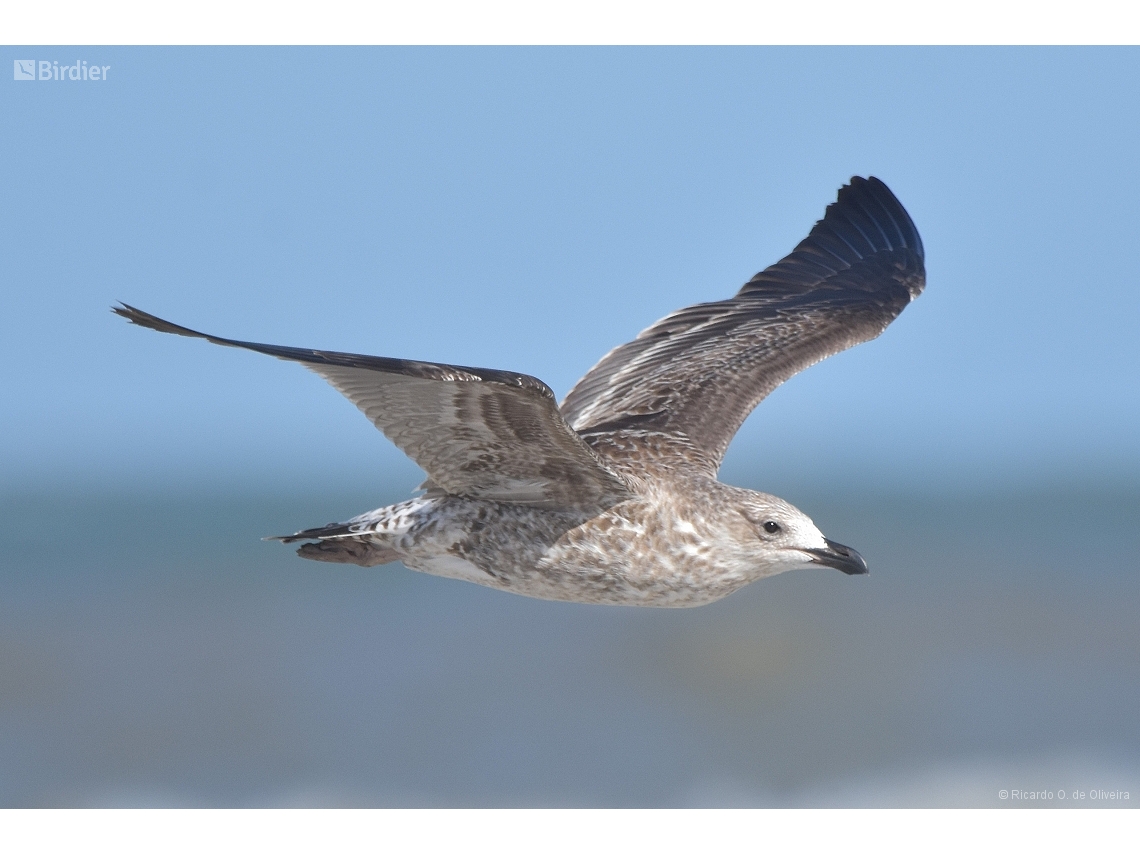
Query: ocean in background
[[154, 651]]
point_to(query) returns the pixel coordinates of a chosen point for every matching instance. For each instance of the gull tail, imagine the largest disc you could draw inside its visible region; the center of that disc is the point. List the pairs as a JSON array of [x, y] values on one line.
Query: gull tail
[[330, 530], [340, 543], [349, 550]]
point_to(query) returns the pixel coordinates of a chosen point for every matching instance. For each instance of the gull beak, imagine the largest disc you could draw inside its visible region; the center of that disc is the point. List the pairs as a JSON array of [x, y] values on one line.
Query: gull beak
[[840, 557]]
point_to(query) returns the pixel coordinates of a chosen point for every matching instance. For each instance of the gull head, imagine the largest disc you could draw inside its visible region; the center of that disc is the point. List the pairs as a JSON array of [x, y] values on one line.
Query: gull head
[[781, 537]]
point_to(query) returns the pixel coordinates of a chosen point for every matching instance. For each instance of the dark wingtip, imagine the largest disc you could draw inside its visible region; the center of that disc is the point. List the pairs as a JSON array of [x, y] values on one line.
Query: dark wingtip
[[869, 205], [151, 322], [864, 220]]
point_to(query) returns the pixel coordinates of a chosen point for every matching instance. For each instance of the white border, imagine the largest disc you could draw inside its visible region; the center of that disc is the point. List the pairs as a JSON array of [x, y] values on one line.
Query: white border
[[559, 22], [572, 832]]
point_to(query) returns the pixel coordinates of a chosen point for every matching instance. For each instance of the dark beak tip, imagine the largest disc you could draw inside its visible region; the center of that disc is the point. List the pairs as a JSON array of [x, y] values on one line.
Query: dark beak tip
[[842, 558]]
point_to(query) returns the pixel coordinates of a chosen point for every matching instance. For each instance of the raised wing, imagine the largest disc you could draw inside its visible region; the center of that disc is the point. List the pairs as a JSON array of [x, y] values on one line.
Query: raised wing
[[477, 432], [700, 371]]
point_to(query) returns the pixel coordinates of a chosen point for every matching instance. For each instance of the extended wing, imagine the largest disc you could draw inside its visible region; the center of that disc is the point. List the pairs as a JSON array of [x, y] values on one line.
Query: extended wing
[[700, 371], [477, 432]]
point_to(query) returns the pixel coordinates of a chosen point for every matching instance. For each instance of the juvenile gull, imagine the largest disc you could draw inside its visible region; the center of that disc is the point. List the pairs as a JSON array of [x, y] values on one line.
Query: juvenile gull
[[612, 496]]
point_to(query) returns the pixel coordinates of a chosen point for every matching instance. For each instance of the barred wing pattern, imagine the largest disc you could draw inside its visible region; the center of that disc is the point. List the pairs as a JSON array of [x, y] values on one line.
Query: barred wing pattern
[[477, 432], [700, 371]]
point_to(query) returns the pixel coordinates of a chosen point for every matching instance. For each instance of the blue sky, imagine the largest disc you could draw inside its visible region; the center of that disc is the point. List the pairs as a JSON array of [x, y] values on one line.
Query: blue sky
[[529, 209]]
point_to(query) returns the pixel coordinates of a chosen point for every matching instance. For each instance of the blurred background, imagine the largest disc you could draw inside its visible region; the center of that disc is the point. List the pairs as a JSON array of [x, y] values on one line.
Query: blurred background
[[529, 209]]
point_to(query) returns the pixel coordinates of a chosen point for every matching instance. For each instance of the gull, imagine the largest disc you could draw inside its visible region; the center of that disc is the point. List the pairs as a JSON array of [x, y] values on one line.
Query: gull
[[612, 497]]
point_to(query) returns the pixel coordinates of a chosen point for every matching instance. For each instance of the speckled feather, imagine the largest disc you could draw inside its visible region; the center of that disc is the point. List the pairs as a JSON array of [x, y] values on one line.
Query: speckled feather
[[612, 498], [700, 371]]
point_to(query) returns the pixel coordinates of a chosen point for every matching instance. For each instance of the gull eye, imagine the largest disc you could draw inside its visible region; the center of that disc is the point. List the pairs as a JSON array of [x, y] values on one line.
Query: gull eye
[[771, 526]]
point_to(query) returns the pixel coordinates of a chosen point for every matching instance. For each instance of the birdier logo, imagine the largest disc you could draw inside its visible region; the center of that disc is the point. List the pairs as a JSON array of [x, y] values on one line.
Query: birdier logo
[[47, 69]]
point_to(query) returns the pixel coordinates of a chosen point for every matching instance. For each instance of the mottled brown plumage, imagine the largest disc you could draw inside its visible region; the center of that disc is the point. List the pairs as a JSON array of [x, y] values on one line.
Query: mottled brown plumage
[[700, 371], [613, 497]]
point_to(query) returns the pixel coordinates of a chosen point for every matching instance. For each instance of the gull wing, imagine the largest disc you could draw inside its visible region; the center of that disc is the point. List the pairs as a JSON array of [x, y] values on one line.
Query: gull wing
[[700, 371], [477, 432]]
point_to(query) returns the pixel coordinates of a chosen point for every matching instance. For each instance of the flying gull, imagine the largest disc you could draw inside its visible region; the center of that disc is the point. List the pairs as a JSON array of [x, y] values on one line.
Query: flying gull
[[612, 496]]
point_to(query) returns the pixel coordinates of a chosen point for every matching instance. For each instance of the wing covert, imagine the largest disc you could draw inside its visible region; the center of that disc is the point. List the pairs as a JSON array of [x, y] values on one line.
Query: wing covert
[[699, 372], [477, 432]]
